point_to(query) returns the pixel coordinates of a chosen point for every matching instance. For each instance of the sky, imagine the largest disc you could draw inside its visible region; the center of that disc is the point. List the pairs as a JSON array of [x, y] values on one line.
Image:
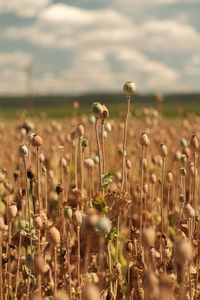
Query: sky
[[85, 46]]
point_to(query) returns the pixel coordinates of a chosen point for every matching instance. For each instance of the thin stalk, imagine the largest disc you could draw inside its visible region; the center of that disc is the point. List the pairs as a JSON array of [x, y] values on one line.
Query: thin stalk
[[1, 275], [141, 195], [103, 147], [55, 270], [78, 259], [18, 264], [125, 141], [162, 194], [99, 151], [117, 240], [76, 164], [39, 179]]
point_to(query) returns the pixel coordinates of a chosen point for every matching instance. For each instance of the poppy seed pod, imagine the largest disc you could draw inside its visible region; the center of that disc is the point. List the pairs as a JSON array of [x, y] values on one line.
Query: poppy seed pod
[[148, 237], [144, 140], [68, 212], [36, 140], [54, 236], [104, 224], [170, 177], [153, 178], [85, 143], [80, 130], [97, 109], [12, 210], [129, 88], [77, 218], [89, 163], [23, 151], [128, 164], [38, 222], [183, 159], [194, 143], [105, 113], [108, 127], [188, 211], [187, 152], [145, 188], [183, 172], [40, 264], [163, 150]]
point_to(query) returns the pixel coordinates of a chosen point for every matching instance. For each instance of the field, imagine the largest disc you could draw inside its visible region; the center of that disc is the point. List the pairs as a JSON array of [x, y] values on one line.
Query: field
[[99, 203]]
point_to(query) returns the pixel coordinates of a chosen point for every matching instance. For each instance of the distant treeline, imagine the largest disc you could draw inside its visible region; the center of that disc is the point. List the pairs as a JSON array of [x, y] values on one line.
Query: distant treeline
[[60, 100]]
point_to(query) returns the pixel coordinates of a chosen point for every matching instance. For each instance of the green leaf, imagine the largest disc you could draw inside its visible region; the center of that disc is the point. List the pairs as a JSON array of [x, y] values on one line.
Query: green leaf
[[99, 203], [107, 179], [112, 235]]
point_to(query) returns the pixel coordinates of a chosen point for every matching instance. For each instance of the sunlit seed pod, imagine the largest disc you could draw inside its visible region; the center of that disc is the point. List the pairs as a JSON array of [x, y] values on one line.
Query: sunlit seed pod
[[194, 143], [183, 252], [38, 222], [84, 143], [104, 224], [89, 163], [80, 130], [96, 159], [53, 236], [68, 213], [40, 264], [183, 159], [177, 155], [130, 246], [91, 292], [77, 218], [188, 211], [3, 174], [97, 109], [2, 224], [183, 142], [153, 178], [36, 140], [129, 88], [144, 140], [181, 198], [108, 127], [92, 120], [23, 224], [170, 177], [148, 237], [183, 172], [187, 152], [128, 164], [163, 150], [105, 113], [145, 188], [42, 158], [12, 210], [23, 151]]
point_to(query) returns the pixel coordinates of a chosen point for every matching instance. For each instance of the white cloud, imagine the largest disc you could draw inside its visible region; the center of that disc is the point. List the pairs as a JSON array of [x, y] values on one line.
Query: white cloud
[[25, 8], [15, 60]]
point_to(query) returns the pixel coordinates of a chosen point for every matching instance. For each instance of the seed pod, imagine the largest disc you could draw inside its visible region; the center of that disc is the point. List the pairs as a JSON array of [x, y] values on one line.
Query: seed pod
[[59, 188], [3, 174], [36, 140], [84, 143], [105, 113], [177, 156], [183, 172], [145, 188], [54, 236], [89, 163], [129, 246], [170, 177], [77, 218], [153, 178], [108, 127], [80, 130], [128, 164], [38, 222], [104, 224], [183, 159], [39, 263], [183, 252], [144, 140], [129, 88], [181, 198], [23, 151], [68, 212], [163, 150], [194, 143], [97, 109], [12, 210], [96, 159], [183, 142], [148, 237], [188, 211]]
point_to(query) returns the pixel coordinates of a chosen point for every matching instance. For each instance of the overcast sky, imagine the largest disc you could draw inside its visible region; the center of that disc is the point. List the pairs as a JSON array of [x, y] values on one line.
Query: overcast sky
[[81, 46]]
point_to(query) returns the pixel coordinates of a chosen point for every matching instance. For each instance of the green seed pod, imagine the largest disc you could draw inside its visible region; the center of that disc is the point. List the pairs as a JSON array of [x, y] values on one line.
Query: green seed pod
[[129, 88], [23, 150], [84, 143], [68, 212], [183, 172], [97, 109]]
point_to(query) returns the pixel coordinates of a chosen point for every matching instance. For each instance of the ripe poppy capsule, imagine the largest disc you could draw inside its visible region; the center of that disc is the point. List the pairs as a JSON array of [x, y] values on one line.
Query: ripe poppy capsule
[[194, 143], [144, 140], [129, 88], [54, 236], [23, 151], [36, 140], [163, 150], [97, 109], [12, 210]]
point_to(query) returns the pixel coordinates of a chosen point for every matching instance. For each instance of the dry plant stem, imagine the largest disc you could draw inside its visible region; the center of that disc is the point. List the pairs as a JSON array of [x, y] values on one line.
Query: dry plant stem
[[125, 141], [99, 151], [55, 270], [117, 240], [76, 163], [168, 196], [162, 194], [81, 170], [1, 275], [68, 261], [141, 195], [103, 147], [18, 264], [110, 267], [38, 179], [9, 258], [39, 277], [27, 194], [195, 181], [78, 259]]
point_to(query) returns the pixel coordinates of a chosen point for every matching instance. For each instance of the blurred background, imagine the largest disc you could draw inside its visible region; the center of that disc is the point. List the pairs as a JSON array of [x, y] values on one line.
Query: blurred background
[[54, 52]]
